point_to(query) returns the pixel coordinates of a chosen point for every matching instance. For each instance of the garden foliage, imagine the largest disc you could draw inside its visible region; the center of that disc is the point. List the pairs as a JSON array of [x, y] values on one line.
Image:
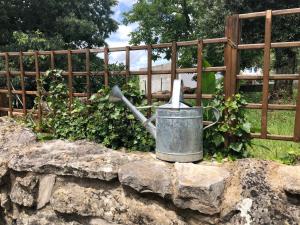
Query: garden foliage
[[96, 119], [112, 124], [231, 136]]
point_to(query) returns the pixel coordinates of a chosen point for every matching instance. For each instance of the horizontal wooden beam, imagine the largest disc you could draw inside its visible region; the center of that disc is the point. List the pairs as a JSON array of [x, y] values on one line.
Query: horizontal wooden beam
[[273, 137], [186, 96], [271, 106], [274, 13], [272, 77], [222, 40], [290, 44]]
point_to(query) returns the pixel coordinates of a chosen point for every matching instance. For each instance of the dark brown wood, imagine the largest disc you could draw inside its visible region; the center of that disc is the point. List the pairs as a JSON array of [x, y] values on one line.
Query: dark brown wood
[[235, 55], [127, 62], [38, 88], [186, 96], [286, 44], [8, 84], [70, 79], [106, 69], [149, 77], [231, 54], [173, 64], [266, 73], [52, 60], [271, 106], [227, 56], [22, 83], [297, 116], [5, 91], [88, 73], [280, 12], [199, 72], [291, 44], [273, 137], [271, 77], [251, 46], [252, 15]]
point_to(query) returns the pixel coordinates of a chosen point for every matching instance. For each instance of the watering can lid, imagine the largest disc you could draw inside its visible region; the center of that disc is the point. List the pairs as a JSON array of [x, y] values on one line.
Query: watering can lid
[[177, 96]]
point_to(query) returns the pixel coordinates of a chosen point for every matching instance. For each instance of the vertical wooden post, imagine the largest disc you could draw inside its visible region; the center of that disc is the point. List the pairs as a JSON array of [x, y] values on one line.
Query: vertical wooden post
[[38, 88], [127, 62], [231, 54], [149, 78], [297, 116], [173, 64], [22, 83], [106, 69], [199, 72], [8, 84], [266, 73], [88, 73], [231, 59], [70, 78], [52, 60]]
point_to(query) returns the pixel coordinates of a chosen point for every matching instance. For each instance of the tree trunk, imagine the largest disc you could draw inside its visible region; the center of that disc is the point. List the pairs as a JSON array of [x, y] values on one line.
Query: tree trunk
[[285, 63]]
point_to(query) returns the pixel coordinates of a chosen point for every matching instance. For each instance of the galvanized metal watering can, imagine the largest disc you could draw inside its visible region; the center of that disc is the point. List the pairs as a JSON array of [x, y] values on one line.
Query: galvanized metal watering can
[[179, 127]]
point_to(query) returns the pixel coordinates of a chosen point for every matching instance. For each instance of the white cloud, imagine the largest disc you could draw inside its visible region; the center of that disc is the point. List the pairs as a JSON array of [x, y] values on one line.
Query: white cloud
[[120, 38], [127, 3]]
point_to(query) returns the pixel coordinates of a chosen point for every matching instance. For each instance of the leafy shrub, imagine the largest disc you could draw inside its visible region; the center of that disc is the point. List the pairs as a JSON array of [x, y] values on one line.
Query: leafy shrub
[[230, 137], [291, 158], [96, 119]]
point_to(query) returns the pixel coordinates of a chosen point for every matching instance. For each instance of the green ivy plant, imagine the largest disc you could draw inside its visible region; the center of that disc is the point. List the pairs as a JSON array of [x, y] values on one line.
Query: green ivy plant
[[231, 136], [96, 119]]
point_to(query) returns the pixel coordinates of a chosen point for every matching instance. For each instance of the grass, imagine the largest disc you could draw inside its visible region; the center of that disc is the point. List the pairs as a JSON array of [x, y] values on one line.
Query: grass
[[280, 123]]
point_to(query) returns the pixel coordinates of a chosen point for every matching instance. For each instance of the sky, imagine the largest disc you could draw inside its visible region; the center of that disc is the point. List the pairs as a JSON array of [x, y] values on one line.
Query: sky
[[120, 38]]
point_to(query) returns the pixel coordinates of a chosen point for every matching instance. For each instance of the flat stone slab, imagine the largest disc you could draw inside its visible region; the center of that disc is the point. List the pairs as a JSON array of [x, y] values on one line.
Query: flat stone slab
[[78, 159], [23, 191], [112, 205], [199, 187], [290, 178], [13, 136], [46, 184], [147, 176]]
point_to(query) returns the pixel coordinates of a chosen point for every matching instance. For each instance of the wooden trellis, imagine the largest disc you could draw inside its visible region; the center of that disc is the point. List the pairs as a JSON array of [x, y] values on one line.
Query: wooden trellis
[[230, 69]]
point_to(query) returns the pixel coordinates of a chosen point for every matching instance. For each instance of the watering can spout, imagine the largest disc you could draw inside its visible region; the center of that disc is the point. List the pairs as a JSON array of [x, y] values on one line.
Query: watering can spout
[[117, 95]]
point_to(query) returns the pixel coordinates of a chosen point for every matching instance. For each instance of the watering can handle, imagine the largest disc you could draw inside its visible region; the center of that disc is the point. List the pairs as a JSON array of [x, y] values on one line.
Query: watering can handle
[[216, 113]]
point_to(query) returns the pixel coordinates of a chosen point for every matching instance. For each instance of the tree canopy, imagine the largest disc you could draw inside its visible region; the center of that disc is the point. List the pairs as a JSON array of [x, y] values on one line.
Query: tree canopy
[[169, 20], [52, 24]]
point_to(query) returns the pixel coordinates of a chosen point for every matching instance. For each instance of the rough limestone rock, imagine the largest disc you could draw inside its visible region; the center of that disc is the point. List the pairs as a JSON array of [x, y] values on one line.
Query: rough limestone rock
[[112, 205], [290, 178], [12, 137], [199, 187], [12, 134], [261, 199], [78, 159], [45, 190], [43, 217], [23, 191], [147, 176], [83, 183]]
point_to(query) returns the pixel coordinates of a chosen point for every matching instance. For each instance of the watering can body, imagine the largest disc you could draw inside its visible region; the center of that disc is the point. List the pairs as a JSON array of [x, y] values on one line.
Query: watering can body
[[179, 128], [179, 134]]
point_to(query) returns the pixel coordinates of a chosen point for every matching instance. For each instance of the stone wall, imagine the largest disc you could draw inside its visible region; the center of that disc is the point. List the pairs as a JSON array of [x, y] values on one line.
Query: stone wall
[[61, 182]]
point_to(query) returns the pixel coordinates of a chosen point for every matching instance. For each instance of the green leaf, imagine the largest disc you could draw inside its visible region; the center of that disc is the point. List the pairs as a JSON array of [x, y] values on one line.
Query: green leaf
[[246, 127], [236, 146]]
